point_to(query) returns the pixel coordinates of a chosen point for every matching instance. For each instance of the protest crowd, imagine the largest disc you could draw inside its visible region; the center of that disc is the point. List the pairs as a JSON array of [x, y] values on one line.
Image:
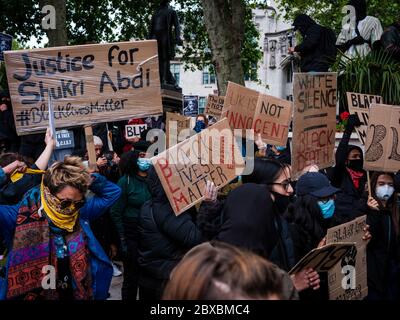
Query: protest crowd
[[227, 236]]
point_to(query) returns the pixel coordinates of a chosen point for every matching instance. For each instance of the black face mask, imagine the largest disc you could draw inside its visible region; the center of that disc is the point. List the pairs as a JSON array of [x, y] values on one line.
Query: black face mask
[[281, 201], [356, 165]]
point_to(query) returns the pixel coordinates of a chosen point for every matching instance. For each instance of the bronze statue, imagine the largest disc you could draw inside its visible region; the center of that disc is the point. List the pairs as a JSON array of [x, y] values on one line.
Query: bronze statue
[[166, 30]]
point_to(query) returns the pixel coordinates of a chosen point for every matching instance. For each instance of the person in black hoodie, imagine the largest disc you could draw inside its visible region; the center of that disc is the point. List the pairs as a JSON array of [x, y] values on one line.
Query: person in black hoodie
[[164, 238], [317, 51], [252, 218], [348, 175], [383, 260], [390, 40]]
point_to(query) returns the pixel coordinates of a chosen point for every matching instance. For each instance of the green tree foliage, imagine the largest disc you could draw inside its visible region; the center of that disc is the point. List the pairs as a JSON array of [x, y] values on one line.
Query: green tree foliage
[[329, 12], [94, 21]]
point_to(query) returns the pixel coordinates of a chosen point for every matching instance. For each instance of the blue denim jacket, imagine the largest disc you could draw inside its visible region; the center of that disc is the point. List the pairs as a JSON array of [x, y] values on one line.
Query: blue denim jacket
[[105, 195]]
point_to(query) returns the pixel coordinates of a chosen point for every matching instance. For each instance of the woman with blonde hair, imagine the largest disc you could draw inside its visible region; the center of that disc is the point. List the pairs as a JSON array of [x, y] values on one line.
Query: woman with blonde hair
[[53, 253]]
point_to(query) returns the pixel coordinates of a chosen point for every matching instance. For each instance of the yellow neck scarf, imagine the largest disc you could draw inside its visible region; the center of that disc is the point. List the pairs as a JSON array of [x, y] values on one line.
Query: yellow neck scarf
[[51, 206], [15, 176]]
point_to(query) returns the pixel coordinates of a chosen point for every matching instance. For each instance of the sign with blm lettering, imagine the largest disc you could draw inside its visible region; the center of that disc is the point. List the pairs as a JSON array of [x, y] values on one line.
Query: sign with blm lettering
[[214, 107], [314, 121], [184, 169], [266, 115], [348, 279], [134, 130], [88, 84], [359, 104], [382, 143]]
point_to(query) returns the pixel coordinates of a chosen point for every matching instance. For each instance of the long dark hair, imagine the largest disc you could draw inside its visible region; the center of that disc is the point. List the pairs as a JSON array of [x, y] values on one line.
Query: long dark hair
[[392, 201], [266, 171], [128, 163], [306, 213]]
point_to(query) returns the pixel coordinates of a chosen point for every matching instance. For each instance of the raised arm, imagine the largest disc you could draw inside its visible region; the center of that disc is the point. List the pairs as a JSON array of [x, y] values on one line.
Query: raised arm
[[44, 158], [106, 194]]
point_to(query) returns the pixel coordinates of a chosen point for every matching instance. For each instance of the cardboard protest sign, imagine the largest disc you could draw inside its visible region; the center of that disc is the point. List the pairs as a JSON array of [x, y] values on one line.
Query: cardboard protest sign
[[88, 84], [324, 258], [190, 106], [184, 169], [214, 106], [240, 106], [134, 130], [348, 279], [176, 123], [272, 119], [359, 104], [382, 144], [5, 44], [266, 115], [314, 121]]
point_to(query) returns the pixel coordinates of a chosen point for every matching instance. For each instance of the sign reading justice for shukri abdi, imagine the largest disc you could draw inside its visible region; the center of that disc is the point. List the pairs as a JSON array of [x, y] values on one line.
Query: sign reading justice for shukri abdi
[[88, 84]]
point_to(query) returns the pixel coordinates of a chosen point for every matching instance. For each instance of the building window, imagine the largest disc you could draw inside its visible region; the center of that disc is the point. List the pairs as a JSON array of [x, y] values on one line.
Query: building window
[[202, 104], [208, 76], [251, 75], [176, 71], [289, 75]]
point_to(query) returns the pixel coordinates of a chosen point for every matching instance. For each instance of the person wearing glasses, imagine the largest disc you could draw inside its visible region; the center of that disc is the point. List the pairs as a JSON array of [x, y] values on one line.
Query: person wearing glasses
[[53, 254], [252, 218]]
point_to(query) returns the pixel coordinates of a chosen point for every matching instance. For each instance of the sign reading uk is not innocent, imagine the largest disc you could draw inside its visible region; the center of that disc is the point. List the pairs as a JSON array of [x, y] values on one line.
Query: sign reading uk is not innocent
[[88, 84]]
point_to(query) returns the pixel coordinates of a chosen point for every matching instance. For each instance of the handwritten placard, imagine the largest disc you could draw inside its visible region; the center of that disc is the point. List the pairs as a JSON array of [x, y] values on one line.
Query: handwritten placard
[[359, 104], [314, 121], [184, 169], [382, 144], [214, 106], [266, 115], [348, 279], [88, 84]]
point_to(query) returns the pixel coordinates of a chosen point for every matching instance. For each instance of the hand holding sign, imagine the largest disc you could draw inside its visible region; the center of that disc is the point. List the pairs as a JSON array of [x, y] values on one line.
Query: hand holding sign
[[50, 138]]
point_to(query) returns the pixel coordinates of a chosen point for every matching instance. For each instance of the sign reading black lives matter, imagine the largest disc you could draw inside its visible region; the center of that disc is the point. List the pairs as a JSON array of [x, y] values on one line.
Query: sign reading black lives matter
[[88, 84], [314, 121]]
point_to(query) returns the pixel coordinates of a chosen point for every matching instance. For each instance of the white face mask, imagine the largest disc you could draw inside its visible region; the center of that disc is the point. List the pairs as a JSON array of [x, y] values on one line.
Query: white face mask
[[384, 192]]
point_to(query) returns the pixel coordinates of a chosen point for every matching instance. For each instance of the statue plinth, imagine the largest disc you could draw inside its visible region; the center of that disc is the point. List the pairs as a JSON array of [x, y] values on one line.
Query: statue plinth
[[171, 99]]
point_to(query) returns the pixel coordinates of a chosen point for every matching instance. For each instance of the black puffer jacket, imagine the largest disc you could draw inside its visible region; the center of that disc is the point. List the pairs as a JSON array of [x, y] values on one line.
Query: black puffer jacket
[[163, 237]]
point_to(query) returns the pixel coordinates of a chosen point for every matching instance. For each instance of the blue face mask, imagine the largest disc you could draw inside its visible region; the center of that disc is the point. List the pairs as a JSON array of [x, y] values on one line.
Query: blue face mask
[[200, 125], [280, 148], [327, 209], [144, 164]]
